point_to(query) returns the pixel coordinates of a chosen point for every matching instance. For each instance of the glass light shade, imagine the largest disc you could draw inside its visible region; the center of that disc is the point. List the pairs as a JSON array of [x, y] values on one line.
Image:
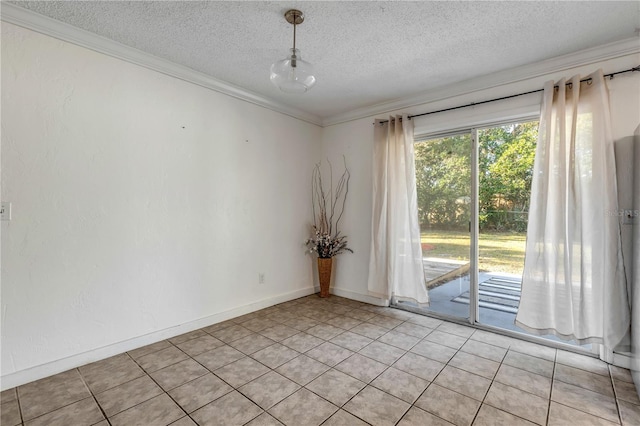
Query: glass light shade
[[290, 78]]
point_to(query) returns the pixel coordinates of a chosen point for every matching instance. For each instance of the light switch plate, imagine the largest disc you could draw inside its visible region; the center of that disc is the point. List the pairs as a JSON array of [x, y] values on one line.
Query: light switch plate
[[5, 210]]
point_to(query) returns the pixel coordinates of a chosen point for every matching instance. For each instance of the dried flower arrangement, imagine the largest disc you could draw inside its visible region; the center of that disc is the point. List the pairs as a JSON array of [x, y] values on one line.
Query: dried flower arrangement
[[328, 209]]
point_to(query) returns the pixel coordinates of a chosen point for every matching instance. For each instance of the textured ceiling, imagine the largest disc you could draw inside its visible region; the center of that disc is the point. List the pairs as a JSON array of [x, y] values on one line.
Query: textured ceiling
[[364, 53]]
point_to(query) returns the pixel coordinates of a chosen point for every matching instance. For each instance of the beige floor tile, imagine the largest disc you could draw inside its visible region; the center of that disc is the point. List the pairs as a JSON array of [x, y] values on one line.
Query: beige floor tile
[[359, 314], [161, 359], [475, 364], [219, 357], [377, 407], [329, 354], [275, 355], [110, 372], [585, 400], [325, 331], [218, 326], [384, 321], [561, 415], [251, 343], [414, 330], [518, 402], [229, 334], [492, 339], [352, 341], [434, 351], [302, 323], [399, 340], [457, 329], [382, 352], [127, 395], [343, 322], [303, 408], [157, 411], [630, 413], [371, 331], [584, 379], [420, 366], [619, 373], [446, 339], [583, 362], [199, 392], [533, 349], [10, 413], [200, 345], [490, 416], [187, 336], [529, 363], [279, 332], [302, 342], [524, 380], [258, 324], [425, 321], [145, 350], [302, 369], [362, 368], [449, 405], [185, 421], [342, 418], [264, 419], [402, 385], [177, 374], [266, 391], [49, 394], [417, 417], [233, 409], [336, 387], [84, 412], [8, 395], [626, 391], [463, 382], [240, 372], [484, 350]]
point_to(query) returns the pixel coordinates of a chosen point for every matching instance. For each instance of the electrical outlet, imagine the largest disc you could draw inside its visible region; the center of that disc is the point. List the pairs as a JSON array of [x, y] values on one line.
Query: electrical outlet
[[5, 210], [261, 278]]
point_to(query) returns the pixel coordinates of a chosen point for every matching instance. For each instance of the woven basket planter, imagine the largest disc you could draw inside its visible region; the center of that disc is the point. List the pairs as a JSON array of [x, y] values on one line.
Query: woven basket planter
[[324, 275]]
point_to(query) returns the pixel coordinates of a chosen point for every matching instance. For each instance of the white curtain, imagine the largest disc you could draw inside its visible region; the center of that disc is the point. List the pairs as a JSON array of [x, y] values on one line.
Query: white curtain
[[574, 284], [395, 264]]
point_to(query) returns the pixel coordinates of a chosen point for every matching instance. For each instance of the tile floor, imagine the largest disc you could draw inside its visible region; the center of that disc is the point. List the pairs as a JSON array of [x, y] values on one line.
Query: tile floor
[[332, 361]]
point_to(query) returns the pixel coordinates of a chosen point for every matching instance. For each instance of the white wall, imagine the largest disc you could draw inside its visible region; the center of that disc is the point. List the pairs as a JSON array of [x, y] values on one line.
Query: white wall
[[354, 139], [143, 206]]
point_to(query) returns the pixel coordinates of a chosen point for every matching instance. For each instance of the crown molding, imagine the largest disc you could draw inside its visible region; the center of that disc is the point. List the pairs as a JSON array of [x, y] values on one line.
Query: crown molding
[[42, 24], [560, 63]]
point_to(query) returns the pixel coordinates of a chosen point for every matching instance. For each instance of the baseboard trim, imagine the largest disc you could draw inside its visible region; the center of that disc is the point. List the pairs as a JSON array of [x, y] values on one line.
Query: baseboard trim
[[21, 377], [365, 298]]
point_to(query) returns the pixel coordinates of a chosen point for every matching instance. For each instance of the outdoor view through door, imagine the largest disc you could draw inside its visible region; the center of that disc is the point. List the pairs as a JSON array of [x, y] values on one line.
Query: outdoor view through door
[[445, 178]]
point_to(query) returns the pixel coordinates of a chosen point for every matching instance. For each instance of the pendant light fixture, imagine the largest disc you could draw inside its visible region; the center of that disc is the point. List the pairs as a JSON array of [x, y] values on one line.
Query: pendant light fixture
[[292, 74]]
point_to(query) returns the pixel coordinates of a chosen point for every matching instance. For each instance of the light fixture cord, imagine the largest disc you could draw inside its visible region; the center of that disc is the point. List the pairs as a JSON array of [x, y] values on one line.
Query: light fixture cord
[[294, 57]]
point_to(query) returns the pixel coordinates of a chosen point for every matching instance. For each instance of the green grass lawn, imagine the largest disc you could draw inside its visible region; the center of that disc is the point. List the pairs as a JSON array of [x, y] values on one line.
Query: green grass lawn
[[499, 251]]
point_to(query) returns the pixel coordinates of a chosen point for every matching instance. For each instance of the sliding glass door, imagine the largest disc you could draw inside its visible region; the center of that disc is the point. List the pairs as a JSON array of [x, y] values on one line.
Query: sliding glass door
[[444, 182], [505, 169]]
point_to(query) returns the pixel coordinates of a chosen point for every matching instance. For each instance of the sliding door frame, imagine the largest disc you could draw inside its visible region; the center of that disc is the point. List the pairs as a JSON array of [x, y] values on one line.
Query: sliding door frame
[[474, 308]]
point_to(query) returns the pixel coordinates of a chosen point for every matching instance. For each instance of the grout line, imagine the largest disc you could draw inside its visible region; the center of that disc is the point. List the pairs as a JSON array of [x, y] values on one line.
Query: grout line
[[92, 395], [615, 395]]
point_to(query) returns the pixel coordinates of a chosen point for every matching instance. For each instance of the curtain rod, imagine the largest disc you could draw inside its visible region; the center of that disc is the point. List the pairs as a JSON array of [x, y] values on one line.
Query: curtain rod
[[611, 75]]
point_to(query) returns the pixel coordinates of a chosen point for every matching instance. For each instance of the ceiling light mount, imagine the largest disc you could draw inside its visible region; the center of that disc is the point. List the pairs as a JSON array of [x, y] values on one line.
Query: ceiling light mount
[[292, 74], [294, 17]]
